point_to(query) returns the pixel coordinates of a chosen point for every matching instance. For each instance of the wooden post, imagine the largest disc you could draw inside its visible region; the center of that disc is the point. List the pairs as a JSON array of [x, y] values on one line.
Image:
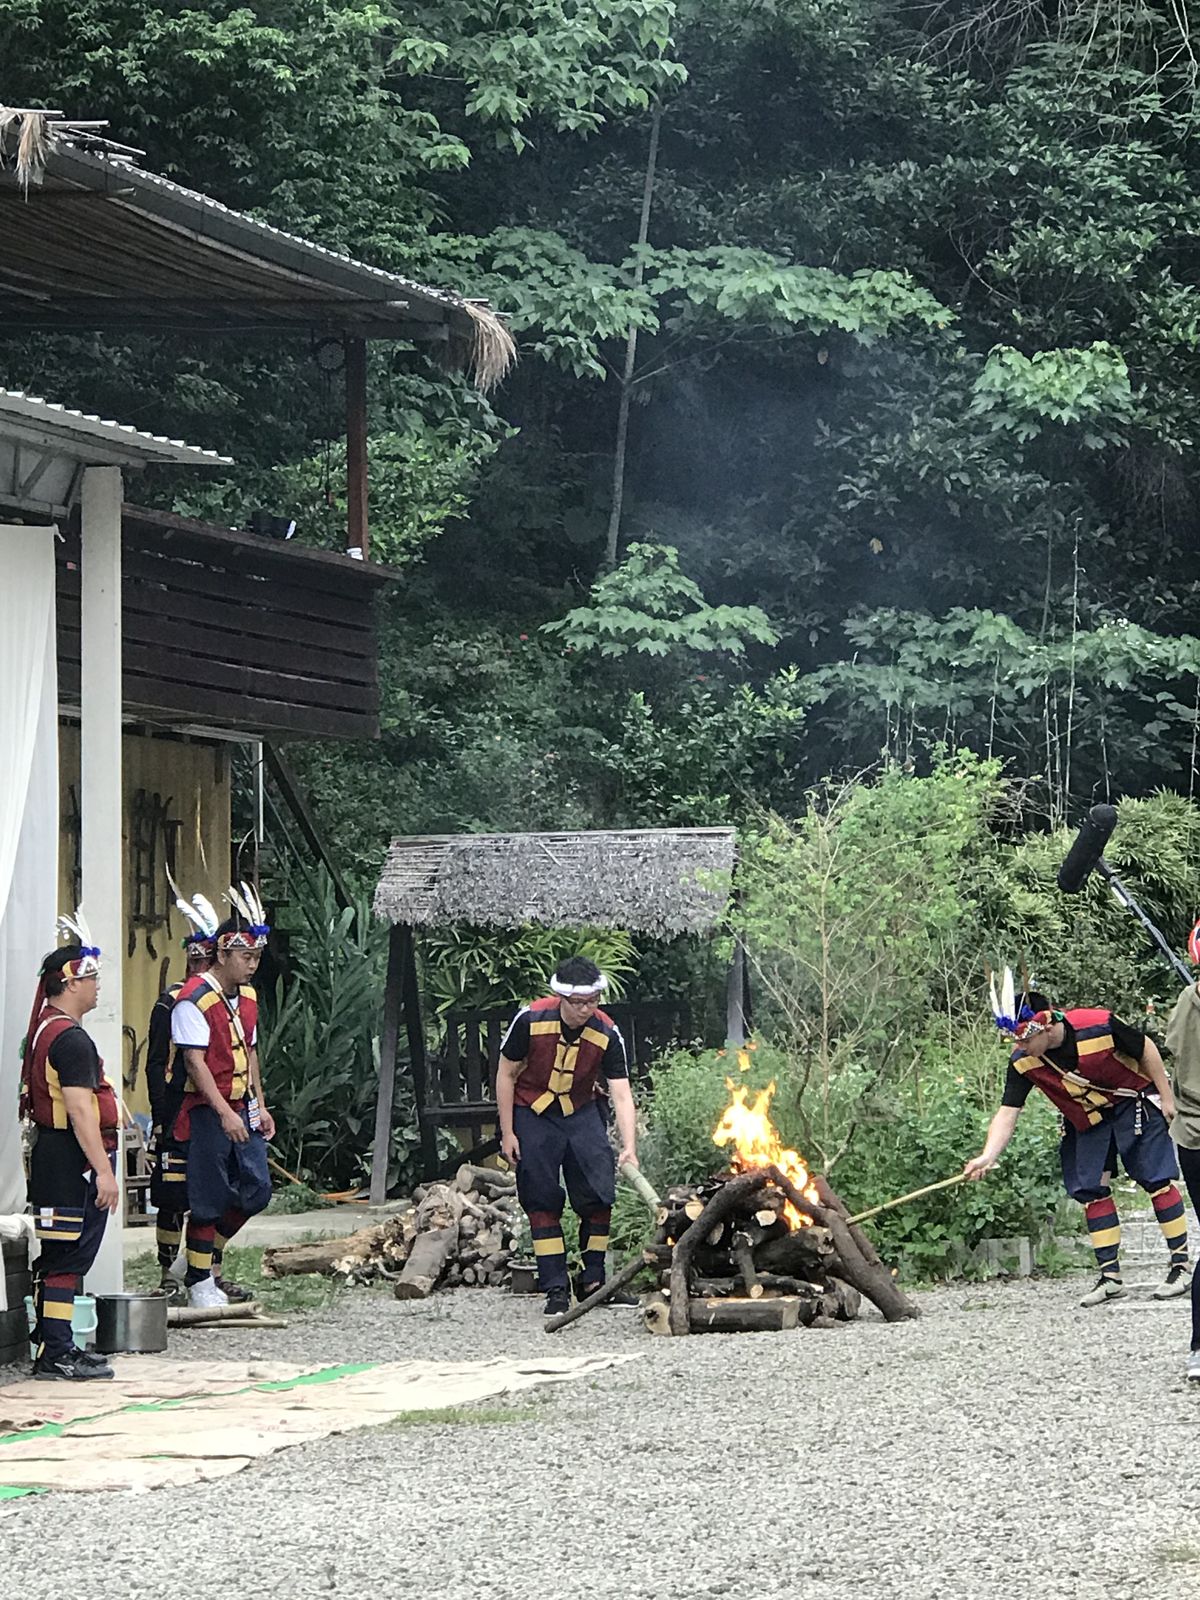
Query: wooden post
[[357, 533], [102, 855], [735, 997], [416, 1054], [392, 1002]]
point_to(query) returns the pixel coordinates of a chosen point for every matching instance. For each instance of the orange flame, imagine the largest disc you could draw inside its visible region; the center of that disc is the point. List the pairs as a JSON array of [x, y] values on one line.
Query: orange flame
[[756, 1143]]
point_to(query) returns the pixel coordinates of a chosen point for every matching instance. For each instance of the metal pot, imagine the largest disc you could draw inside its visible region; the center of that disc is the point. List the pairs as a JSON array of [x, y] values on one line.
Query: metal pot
[[134, 1323], [522, 1277]]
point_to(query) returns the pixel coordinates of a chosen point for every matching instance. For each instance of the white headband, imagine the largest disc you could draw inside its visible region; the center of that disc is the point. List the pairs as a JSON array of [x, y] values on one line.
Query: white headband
[[579, 991]]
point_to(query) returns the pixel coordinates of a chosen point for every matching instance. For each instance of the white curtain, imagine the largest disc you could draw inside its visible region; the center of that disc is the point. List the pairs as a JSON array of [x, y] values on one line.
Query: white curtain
[[28, 810]]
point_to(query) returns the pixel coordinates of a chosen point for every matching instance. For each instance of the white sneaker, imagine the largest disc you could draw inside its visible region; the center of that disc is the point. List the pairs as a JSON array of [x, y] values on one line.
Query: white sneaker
[[1178, 1281], [1107, 1289], [1193, 1366], [205, 1295]]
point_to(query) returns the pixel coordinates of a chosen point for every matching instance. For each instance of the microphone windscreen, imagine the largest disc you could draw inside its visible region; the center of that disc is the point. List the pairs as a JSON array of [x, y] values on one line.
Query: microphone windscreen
[[1083, 855]]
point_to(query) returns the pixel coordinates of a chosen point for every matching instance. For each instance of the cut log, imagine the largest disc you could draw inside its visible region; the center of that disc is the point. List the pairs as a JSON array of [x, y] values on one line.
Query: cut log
[[723, 1204], [802, 1253], [742, 1316], [485, 1180], [870, 1277], [743, 1260], [287, 1260], [426, 1262]]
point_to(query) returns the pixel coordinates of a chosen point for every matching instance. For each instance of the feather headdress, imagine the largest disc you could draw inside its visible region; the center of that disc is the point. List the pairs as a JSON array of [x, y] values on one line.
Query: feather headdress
[[1017, 1020], [248, 909], [1194, 946], [200, 912], [76, 931]]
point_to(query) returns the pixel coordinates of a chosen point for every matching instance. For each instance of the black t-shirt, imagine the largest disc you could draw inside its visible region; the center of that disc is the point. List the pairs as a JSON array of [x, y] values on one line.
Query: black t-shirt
[[516, 1045], [1129, 1041], [76, 1060]]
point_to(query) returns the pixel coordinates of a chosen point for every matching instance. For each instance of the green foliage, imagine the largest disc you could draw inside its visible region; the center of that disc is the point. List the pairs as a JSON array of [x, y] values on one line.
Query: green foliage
[[648, 605], [320, 1039], [1089, 386], [481, 969]]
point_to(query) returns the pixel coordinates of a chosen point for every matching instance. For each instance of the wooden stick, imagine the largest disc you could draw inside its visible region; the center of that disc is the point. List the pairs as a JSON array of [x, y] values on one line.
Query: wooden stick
[[916, 1194], [605, 1292], [186, 1316], [642, 1184]]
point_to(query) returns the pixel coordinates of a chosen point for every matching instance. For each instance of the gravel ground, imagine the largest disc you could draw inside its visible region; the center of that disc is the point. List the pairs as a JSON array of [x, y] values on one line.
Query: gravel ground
[[1008, 1446]]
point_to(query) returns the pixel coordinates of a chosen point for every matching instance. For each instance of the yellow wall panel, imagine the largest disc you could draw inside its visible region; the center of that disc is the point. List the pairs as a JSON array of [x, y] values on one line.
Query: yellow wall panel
[[177, 808]]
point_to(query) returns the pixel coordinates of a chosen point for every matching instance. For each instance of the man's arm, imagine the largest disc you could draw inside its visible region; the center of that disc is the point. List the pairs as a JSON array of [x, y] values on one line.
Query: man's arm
[[206, 1087], [507, 1073], [81, 1108], [1000, 1131], [626, 1115]]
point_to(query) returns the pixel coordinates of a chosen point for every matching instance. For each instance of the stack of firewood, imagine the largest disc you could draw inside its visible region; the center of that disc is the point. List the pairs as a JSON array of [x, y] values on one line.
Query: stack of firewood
[[462, 1232]]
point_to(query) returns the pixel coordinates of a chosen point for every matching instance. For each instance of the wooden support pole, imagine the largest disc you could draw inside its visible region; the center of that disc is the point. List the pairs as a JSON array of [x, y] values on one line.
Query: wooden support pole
[[416, 1053], [357, 532], [102, 854], [392, 1002]]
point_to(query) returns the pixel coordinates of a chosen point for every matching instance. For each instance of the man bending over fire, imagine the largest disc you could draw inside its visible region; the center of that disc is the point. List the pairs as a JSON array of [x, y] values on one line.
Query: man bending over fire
[[556, 1059], [1101, 1075]]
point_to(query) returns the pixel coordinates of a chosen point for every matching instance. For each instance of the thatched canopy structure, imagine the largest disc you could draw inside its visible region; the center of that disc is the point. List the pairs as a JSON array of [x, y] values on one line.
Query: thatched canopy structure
[[659, 881]]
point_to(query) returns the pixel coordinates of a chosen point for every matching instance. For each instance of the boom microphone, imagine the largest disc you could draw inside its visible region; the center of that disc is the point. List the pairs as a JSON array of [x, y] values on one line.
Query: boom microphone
[[1085, 853]]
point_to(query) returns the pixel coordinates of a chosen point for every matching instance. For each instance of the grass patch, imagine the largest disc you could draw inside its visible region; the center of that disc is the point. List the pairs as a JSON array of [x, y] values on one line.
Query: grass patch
[[1177, 1555], [243, 1265], [294, 1197], [465, 1416]]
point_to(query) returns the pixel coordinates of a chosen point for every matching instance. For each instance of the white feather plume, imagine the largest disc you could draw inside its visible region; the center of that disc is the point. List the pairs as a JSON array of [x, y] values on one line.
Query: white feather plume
[[234, 898], [210, 917], [257, 915], [1008, 996], [76, 929]]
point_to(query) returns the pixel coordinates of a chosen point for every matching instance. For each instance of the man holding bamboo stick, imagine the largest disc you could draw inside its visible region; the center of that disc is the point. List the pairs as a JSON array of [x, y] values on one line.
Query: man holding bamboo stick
[[1111, 1089]]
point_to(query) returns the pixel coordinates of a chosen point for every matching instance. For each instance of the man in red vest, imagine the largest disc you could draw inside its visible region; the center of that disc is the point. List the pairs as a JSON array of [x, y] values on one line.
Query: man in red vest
[[222, 1118], [1105, 1079], [72, 1166], [556, 1060]]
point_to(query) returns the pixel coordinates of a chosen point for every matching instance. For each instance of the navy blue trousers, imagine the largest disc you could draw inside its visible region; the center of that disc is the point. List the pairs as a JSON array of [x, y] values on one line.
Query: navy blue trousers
[[574, 1150], [1142, 1143], [70, 1226], [221, 1175]]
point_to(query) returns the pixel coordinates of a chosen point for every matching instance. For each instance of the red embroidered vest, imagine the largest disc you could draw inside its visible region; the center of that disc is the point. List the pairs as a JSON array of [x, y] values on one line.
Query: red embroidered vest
[[557, 1071], [43, 1092], [227, 1055], [1102, 1077]]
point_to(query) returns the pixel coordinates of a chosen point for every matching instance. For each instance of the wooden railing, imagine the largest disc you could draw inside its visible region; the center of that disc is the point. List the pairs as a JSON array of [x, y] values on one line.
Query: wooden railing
[[461, 1076]]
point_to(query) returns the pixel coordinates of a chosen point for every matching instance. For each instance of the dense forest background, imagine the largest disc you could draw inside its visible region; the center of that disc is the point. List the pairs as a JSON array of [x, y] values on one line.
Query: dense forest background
[[882, 438]]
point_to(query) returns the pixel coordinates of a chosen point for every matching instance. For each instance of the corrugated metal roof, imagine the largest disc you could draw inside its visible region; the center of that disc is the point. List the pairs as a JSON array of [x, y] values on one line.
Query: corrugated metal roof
[[94, 439], [98, 241]]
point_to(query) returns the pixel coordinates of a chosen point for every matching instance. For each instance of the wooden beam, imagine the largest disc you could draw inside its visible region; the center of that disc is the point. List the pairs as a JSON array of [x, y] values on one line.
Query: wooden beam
[[357, 532], [294, 798], [416, 1052], [392, 1003]]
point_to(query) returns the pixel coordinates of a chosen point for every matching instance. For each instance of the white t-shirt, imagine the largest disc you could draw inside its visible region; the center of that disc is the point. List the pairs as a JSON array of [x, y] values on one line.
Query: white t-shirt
[[190, 1030]]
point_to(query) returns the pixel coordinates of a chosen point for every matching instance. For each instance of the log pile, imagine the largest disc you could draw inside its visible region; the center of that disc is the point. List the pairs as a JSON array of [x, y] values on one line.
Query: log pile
[[462, 1232], [728, 1260]]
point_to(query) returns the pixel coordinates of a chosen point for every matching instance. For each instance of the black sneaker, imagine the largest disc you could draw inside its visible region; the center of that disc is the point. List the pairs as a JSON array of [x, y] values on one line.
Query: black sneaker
[[620, 1298], [557, 1301], [233, 1292], [73, 1366], [93, 1358]]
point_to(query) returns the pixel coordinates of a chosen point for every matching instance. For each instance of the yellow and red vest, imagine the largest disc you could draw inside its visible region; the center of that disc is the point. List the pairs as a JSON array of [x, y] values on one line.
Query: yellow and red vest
[[227, 1055], [556, 1070], [47, 1105], [1102, 1077]]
